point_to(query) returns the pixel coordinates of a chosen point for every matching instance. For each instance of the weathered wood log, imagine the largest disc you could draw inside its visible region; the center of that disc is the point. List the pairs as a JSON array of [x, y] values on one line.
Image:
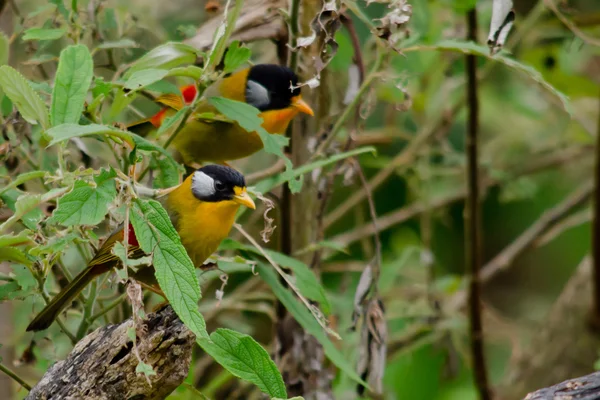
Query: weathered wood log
[[102, 365], [582, 388]]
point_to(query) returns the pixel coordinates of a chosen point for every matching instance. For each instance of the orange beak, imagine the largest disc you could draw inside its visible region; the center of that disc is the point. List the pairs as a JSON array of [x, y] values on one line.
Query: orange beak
[[302, 106]]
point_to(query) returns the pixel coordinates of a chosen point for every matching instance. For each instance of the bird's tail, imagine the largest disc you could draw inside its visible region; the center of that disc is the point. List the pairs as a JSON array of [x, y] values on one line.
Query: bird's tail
[[45, 318]]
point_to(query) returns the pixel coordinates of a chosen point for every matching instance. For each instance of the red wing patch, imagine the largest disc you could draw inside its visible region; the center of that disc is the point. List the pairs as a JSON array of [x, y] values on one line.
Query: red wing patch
[[188, 92], [132, 239]]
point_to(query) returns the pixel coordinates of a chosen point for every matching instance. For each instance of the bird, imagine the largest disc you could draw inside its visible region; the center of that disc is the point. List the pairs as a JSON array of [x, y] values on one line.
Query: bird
[[271, 88], [202, 210]]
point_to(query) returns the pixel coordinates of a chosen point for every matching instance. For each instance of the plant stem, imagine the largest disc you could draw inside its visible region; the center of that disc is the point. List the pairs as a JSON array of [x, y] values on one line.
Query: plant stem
[[15, 377], [108, 308], [87, 311], [595, 317], [294, 30], [473, 232]]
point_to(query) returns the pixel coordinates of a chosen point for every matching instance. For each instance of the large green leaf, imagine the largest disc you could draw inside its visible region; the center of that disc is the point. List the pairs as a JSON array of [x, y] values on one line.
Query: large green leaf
[[27, 101], [173, 268], [241, 355], [306, 320], [139, 79], [22, 178], [72, 82], [86, 203], [64, 132], [43, 34], [248, 118], [166, 56]]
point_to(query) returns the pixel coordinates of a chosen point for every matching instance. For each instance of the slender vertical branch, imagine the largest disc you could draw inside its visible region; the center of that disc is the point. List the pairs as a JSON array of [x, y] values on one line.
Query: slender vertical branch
[[472, 218], [595, 317]]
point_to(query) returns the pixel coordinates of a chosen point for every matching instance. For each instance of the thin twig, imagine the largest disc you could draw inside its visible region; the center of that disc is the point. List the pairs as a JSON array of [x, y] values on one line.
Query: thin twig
[[473, 239], [15, 377], [511, 252], [267, 172], [413, 210], [569, 24]]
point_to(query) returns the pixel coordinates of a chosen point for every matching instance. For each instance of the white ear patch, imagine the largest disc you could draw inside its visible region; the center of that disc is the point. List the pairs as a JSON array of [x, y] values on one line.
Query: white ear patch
[[203, 186], [257, 95]]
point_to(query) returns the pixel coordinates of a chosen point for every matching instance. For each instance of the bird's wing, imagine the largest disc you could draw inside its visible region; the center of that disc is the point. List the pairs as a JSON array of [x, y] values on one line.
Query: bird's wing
[[105, 254], [171, 100]]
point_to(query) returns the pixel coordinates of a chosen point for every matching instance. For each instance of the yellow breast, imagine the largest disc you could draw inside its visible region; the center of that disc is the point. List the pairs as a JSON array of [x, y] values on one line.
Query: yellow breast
[[201, 225]]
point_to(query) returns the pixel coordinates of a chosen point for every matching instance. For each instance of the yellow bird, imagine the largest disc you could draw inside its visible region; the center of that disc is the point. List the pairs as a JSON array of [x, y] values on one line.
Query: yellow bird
[[202, 210], [270, 88]]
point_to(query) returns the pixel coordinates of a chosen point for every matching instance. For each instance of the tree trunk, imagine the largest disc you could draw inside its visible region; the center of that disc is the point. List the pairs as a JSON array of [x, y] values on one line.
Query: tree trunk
[[102, 366], [582, 388]]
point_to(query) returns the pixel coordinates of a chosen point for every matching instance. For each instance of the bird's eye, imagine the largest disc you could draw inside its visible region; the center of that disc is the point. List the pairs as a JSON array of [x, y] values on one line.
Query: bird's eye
[[219, 186]]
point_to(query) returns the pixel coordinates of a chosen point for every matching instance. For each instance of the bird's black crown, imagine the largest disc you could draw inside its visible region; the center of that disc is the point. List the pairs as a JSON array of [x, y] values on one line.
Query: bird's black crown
[[278, 82], [216, 183]]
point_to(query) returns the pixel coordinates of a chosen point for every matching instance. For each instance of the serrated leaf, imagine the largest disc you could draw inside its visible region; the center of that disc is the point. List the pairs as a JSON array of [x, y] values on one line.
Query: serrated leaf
[[101, 87], [86, 204], [166, 56], [168, 174], [119, 251], [139, 79], [43, 34], [248, 118], [306, 320], [236, 56], [241, 355], [71, 84], [27, 101], [173, 268]]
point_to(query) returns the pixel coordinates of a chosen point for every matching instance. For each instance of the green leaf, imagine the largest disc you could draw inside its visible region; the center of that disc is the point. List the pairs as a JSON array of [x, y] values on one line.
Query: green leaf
[[67, 131], [168, 174], [241, 355], [236, 56], [166, 56], [191, 71], [22, 178], [306, 280], [170, 124], [173, 268], [145, 77], [71, 84], [248, 118], [143, 368], [9, 291], [12, 254], [25, 207], [101, 87], [43, 34], [27, 101], [16, 240], [56, 245], [306, 320], [4, 55], [86, 204]]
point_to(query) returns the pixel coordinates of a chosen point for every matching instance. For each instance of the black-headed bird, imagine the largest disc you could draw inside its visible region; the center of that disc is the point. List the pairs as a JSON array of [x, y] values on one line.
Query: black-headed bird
[[202, 209]]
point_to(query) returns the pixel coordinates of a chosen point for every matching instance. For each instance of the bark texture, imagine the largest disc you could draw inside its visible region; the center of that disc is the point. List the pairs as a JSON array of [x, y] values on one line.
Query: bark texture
[[102, 365], [583, 388], [555, 354]]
